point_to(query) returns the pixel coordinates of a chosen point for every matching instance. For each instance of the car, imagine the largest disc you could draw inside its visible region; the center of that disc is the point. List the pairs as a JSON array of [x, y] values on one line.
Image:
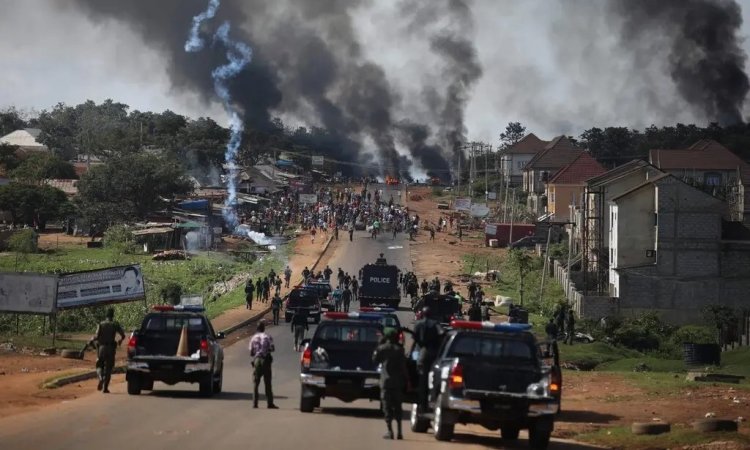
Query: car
[[337, 361], [443, 307], [492, 375], [323, 288], [152, 353], [302, 298], [525, 242]]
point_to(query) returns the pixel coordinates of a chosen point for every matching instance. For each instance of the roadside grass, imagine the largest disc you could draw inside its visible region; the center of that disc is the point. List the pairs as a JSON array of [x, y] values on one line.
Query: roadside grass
[[198, 276], [595, 355], [40, 342], [680, 436]]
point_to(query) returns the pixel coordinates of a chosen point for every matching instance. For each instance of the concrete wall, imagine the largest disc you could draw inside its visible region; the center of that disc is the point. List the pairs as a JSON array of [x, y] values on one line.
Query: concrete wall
[[512, 165], [633, 231], [564, 195]]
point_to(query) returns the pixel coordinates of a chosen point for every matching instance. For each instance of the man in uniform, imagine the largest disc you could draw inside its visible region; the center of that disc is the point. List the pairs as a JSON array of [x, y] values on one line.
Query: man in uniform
[[346, 297], [261, 346], [355, 287], [427, 334], [299, 327], [249, 288], [570, 326], [287, 275], [393, 379], [106, 347], [276, 308]]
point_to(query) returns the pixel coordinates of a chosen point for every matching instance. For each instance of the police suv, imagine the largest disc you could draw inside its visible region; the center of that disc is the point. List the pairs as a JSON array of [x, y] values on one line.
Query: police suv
[[492, 375]]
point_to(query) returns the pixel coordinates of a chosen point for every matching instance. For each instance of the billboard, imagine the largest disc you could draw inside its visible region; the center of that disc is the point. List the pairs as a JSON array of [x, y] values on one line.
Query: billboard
[[462, 204], [317, 160], [96, 287], [27, 293], [308, 198], [479, 210]]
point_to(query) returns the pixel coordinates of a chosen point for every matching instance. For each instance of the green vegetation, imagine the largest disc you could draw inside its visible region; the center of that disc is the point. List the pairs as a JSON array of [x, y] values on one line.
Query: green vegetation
[[199, 276], [622, 437], [23, 241], [33, 205]]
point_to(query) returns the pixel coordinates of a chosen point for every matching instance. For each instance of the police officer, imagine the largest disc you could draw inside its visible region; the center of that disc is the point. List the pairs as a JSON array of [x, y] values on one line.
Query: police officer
[[393, 379], [106, 347], [475, 312], [276, 308], [570, 326], [299, 327], [355, 288], [427, 334], [346, 297], [249, 288]]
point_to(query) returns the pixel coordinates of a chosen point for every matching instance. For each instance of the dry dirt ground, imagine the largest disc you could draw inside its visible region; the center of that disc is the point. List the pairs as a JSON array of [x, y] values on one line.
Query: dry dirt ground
[[22, 372], [591, 400]]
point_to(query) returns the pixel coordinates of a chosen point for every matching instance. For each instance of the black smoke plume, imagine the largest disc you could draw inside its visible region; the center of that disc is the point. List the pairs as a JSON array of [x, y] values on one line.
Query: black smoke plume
[[706, 61]]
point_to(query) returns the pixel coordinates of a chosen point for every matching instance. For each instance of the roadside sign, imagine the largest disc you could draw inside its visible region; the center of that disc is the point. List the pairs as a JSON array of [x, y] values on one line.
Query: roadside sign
[[95, 287], [317, 160], [479, 210], [492, 196], [191, 300], [27, 293], [462, 204], [490, 229]]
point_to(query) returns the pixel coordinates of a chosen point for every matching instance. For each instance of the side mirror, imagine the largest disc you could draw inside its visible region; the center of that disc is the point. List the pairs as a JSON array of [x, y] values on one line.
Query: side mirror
[[220, 335]]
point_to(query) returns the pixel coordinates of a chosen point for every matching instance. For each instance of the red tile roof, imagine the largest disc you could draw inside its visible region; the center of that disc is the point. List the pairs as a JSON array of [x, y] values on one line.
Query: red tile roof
[[529, 144], [581, 169], [705, 154], [557, 154]]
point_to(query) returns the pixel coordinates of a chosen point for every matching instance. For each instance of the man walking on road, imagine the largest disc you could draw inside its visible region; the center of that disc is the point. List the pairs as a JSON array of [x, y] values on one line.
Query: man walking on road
[[276, 308], [106, 347], [351, 233], [427, 334], [346, 297], [261, 346], [299, 327], [393, 379], [355, 287], [249, 288], [287, 275]]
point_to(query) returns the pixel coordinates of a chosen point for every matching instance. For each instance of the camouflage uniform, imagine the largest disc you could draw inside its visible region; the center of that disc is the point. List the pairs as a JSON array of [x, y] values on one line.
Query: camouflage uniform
[[393, 377], [106, 347]]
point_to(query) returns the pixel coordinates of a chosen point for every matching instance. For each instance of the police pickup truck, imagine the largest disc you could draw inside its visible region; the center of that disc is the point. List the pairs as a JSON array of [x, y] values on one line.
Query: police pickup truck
[[492, 375], [154, 353], [337, 361], [302, 297]]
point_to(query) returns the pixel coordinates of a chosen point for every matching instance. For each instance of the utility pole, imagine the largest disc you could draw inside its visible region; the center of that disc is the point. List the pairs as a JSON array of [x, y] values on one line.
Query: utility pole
[[512, 217], [486, 187], [546, 259], [458, 193]]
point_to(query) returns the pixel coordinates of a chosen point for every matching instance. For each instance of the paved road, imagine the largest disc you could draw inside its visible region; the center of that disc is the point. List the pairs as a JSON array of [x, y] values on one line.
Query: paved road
[[175, 417]]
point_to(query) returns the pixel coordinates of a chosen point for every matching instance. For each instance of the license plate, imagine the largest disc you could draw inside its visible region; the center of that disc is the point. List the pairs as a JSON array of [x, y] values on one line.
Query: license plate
[[345, 381], [166, 367]]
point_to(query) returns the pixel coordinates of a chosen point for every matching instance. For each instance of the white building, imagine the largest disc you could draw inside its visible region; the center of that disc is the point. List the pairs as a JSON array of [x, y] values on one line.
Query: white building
[[25, 140]]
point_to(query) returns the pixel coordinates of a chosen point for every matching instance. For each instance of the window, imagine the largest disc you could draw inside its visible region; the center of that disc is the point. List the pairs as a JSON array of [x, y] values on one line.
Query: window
[[350, 333], [712, 179], [520, 164], [552, 196], [491, 348]]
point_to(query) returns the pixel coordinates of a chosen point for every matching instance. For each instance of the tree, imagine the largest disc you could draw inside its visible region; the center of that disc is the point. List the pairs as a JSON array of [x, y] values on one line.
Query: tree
[[8, 158], [202, 143], [11, 120], [34, 205], [37, 167], [522, 262], [513, 133], [129, 187]]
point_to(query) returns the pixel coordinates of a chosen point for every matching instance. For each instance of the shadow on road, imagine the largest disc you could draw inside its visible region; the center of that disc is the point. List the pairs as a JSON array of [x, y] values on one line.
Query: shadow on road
[[496, 442], [586, 417], [364, 413], [246, 396]]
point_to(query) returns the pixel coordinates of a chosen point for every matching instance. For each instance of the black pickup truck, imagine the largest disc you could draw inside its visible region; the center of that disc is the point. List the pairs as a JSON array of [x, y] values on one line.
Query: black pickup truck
[[302, 298], [152, 351], [337, 361], [492, 375]]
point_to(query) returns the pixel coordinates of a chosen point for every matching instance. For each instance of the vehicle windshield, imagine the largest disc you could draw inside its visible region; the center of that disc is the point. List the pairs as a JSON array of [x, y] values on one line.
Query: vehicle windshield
[[303, 298], [349, 333], [174, 323], [490, 347]]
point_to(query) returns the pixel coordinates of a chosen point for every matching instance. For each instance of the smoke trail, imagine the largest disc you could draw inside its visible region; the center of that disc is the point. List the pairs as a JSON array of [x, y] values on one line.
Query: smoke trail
[[239, 56], [706, 61]]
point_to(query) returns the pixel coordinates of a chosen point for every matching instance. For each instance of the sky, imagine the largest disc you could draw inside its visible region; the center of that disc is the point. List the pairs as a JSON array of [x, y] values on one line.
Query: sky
[[543, 64]]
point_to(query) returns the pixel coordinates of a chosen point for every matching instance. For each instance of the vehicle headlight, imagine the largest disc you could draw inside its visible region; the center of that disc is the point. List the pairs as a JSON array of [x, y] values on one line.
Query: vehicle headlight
[[539, 389]]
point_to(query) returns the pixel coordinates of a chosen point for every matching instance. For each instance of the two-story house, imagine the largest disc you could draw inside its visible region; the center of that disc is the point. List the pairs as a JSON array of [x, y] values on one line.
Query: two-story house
[[566, 187], [514, 158], [713, 168], [670, 252], [560, 152]]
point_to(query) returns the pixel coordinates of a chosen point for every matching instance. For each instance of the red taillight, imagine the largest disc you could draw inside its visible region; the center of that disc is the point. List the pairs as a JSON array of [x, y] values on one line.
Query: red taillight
[[204, 347], [306, 357], [401, 337], [456, 377], [132, 343], [555, 381]]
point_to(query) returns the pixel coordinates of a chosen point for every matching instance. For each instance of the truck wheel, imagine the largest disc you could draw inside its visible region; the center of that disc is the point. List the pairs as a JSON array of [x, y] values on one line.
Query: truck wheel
[[218, 382], [539, 433], [307, 404], [509, 433], [442, 430], [134, 386], [207, 386], [417, 423], [147, 385]]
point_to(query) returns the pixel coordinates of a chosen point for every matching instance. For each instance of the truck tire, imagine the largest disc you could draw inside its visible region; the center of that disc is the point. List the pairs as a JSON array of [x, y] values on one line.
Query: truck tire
[[307, 404], [539, 433], [649, 428], [509, 433], [442, 429], [206, 386], [134, 386], [417, 423], [147, 385], [218, 382], [711, 425]]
